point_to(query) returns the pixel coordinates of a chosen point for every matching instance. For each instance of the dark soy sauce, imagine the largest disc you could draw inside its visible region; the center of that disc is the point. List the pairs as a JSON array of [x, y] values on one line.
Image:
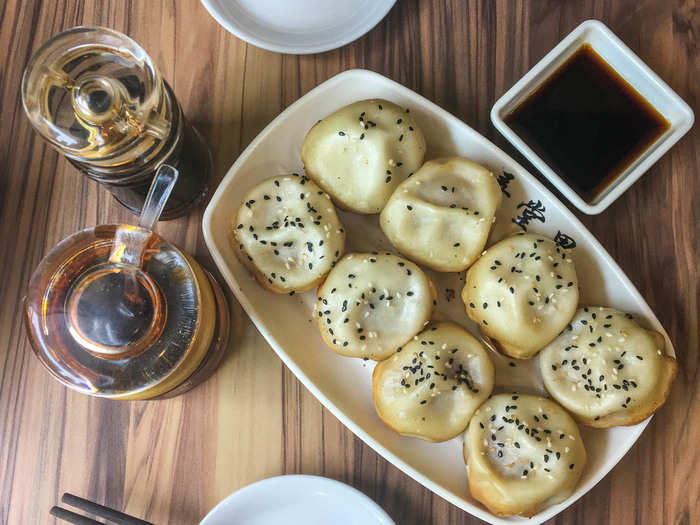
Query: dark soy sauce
[[587, 123]]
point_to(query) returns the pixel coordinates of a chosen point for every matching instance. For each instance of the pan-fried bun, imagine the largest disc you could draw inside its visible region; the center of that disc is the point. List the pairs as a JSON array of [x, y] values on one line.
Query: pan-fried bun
[[431, 386], [372, 303], [360, 153], [287, 233], [442, 216], [606, 369], [523, 453], [522, 292]]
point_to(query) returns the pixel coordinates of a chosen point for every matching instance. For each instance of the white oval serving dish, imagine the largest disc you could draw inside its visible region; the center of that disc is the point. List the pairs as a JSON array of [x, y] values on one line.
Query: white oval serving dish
[[343, 385]]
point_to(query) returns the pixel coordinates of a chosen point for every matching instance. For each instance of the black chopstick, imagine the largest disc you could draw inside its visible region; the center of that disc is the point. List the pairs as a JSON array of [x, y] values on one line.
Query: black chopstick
[[98, 510], [72, 517]]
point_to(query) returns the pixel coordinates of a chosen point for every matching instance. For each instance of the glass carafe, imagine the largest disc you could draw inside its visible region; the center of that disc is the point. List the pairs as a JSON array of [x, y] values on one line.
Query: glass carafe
[[97, 97]]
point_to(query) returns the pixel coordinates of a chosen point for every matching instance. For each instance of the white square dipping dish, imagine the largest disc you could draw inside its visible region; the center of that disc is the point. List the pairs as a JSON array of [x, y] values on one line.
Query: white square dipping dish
[[631, 68], [343, 384]]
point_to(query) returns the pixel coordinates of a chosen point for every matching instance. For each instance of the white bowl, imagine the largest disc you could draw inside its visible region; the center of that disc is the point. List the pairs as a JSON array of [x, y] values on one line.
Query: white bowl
[[342, 384], [634, 71], [298, 26], [297, 500]]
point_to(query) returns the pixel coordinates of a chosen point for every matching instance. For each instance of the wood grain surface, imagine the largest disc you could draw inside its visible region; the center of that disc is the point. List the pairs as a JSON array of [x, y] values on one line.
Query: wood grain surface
[[171, 461]]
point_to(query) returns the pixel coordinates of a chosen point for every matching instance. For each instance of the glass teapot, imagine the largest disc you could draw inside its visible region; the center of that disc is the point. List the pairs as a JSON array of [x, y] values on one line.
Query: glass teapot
[[116, 311]]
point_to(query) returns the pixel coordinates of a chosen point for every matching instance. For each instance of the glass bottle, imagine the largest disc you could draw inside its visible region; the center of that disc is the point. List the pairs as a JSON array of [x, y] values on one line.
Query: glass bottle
[[97, 97]]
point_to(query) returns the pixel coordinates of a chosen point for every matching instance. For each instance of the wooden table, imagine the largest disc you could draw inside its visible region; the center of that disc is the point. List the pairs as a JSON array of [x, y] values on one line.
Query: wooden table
[[171, 461]]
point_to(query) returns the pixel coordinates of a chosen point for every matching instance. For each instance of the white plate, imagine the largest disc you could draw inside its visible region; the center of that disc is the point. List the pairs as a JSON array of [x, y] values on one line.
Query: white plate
[[298, 26], [297, 500], [343, 385], [635, 72]]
